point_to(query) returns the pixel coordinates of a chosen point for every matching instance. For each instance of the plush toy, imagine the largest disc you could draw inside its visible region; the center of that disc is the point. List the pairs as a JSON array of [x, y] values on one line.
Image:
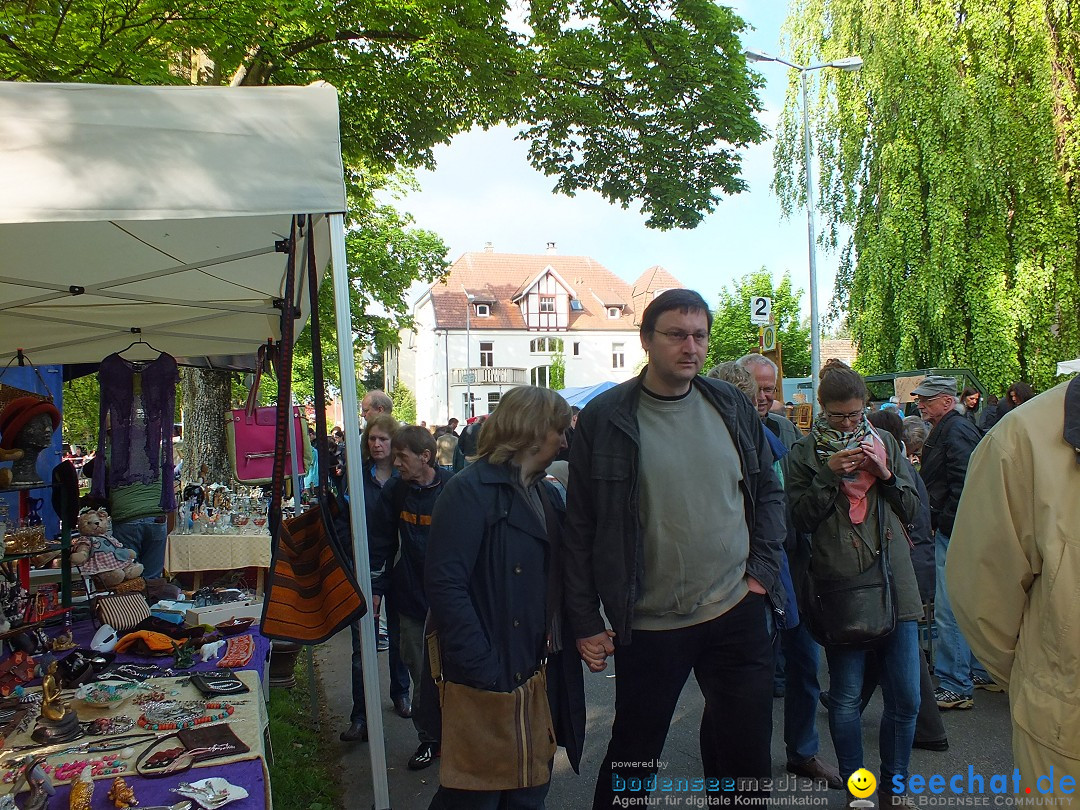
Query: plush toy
[[96, 552], [5, 473]]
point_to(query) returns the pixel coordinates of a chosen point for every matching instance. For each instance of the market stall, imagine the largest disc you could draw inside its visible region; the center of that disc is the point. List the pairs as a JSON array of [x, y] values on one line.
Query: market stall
[[169, 217]]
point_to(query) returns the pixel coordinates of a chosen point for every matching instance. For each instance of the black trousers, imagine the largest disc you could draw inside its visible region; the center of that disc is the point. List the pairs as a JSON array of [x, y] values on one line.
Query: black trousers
[[732, 659]]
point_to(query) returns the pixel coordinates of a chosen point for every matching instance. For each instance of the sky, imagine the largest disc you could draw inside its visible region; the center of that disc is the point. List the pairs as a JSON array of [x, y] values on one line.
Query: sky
[[484, 190]]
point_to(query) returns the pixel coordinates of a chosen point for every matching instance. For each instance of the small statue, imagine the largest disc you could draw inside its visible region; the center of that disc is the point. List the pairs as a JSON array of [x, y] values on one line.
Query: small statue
[[63, 642], [58, 721], [183, 656], [211, 650], [122, 795], [82, 790], [41, 787]]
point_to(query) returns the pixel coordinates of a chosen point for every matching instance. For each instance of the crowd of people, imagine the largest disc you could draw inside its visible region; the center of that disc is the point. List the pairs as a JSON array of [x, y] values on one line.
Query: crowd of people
[[682, 537]]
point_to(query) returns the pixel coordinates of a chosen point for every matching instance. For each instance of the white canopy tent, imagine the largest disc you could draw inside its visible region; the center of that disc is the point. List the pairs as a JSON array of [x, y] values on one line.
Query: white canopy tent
[[1069, 366], [155, 213]]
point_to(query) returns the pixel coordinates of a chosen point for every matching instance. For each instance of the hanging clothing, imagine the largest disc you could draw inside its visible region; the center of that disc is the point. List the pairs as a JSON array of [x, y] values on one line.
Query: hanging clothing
[[138, 403]]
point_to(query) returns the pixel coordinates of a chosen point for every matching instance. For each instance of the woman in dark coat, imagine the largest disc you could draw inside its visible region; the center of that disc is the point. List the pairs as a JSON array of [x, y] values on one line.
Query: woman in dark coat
[[492, 575]]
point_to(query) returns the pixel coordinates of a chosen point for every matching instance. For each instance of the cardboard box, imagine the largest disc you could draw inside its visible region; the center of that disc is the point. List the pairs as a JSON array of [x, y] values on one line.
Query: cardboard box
[[216, 614]]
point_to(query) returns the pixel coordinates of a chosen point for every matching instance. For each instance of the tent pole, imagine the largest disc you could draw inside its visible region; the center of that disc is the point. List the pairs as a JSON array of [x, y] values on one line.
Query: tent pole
[[351, 425]]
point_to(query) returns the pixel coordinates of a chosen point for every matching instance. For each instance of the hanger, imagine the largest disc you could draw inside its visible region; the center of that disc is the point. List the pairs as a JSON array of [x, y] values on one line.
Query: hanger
[[137, 331]]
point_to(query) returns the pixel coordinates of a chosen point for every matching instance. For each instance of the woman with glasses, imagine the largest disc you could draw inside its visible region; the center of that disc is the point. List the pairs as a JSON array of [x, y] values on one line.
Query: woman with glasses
[[836, 477]]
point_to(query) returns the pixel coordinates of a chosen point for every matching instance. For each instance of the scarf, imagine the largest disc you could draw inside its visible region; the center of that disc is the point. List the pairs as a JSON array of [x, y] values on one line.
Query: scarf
[[828, 441]]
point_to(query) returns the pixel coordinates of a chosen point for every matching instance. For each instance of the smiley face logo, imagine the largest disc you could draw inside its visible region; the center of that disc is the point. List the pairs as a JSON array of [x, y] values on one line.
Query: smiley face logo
[[861, 783]]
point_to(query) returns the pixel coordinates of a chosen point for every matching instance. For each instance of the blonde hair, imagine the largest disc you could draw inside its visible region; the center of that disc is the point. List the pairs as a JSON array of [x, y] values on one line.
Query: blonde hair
[[524, 416], [737, 375]]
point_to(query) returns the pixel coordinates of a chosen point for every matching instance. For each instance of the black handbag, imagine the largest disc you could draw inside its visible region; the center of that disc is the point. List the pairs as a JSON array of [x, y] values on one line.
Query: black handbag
[[857, 611]]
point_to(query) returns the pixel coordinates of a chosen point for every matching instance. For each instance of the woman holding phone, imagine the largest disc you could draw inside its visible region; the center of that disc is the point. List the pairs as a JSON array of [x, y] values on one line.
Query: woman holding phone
[[836, 477]]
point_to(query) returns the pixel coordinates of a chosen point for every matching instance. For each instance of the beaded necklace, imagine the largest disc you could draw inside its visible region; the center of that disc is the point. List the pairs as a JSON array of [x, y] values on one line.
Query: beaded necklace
[[171, 715]]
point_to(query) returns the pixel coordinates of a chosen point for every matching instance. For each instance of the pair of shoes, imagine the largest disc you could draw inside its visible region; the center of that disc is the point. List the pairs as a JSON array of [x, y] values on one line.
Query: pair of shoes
[[382, 644], [403, 706], [950, 700], [424, 757], [819, 770], [356, 732], [932, 745], [984, 682]]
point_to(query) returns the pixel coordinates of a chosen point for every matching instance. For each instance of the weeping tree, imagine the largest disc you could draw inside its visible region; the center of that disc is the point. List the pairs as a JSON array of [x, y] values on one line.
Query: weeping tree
[[948, 178]]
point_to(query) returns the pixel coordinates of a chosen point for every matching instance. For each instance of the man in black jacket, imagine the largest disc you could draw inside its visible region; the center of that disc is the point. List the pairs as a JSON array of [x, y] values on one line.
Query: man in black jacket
[[675, 521], [944, 466]]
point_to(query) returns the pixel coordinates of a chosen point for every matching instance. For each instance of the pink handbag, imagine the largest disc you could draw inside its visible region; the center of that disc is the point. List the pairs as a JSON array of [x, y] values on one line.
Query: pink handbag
[[251, 433]]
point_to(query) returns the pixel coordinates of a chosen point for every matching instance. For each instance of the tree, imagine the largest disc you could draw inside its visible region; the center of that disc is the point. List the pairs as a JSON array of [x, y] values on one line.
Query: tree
[[81, 411], [640, 100], [733, 335], [953, 158], [557, 372], [404, 400]]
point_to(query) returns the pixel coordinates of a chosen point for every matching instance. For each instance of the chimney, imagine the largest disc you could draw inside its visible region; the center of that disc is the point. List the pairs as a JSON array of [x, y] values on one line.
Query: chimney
[[489, 247], [551, 247]]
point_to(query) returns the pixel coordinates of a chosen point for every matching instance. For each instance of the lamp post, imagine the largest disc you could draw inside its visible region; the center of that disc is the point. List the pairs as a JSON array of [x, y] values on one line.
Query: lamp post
[[849, 63], [468, 351]]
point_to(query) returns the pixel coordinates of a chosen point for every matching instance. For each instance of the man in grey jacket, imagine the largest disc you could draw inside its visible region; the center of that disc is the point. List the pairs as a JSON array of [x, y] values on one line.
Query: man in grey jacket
[[676, 522]]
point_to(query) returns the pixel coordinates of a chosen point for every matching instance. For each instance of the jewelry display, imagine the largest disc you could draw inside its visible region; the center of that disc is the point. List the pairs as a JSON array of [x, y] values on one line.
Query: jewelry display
[[168, 715], [119, 724]]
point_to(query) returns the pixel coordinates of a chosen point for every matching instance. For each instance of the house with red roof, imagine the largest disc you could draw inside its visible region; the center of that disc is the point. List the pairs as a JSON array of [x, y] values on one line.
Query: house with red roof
[[498, 320]]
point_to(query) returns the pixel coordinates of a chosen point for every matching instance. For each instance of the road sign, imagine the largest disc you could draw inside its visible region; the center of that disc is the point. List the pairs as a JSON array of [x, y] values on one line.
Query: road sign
[[760, 310], [768, 338]]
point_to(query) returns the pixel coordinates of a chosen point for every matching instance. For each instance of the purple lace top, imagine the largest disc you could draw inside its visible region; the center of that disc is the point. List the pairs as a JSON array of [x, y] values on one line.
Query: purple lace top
[[138, 402]]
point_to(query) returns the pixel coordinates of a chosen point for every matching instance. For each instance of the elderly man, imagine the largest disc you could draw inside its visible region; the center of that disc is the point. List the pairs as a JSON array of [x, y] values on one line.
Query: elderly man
[[675, 520], [1013, 574], [374, 403], [944, 466], [765, 372]]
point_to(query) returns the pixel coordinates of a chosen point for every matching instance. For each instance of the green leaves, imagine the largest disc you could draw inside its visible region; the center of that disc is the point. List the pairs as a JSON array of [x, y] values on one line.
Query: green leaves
[[733, 335], [948, 166]]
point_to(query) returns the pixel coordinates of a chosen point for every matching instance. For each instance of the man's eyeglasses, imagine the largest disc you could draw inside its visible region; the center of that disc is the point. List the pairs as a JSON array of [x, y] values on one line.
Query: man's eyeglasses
[[920, 398], [767, 389], [843, 417], [678, 336]]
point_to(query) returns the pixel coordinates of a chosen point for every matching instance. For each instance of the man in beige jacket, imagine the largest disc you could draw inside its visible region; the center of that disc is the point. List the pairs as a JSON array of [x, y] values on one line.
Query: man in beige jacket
[[1013, 573]]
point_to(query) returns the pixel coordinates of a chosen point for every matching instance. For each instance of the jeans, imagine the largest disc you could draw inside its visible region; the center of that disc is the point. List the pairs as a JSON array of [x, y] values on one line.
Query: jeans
[[801, 655], [146, 536], [399, 673], [731, 658], [954, 663], [899, 658]]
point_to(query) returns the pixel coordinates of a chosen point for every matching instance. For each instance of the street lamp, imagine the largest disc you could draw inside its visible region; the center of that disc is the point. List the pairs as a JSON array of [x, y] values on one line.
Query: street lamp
[[469, 298], [849, 63]]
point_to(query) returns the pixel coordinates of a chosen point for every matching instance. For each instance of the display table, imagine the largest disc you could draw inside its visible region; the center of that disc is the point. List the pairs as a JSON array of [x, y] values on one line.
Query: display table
[[246, 770], [218, 552]]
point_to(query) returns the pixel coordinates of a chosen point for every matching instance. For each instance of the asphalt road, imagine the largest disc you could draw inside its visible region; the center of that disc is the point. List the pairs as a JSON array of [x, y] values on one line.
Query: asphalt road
[[979, 738]]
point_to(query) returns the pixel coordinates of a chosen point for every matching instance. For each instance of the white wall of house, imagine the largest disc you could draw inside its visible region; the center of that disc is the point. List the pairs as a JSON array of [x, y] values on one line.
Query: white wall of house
[[440, 361]]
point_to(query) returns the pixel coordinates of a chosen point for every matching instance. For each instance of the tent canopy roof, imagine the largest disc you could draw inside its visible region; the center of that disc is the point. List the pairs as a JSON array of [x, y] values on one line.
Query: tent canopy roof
[[154, 213]]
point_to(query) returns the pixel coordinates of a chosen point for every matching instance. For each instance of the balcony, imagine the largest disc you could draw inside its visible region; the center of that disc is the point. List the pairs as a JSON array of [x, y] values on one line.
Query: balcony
[[489, 375]]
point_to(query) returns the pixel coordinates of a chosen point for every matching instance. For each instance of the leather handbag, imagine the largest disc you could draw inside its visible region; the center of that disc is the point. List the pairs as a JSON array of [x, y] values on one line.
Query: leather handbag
[[252, 434], [854, 612], [493, 740]]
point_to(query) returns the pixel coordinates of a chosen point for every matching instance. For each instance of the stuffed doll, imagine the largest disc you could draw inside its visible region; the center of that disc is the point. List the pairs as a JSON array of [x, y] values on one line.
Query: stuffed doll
[[96, 552]]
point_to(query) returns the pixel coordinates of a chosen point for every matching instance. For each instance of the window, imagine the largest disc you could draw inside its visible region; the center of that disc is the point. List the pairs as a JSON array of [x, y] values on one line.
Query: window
[[547, 303], [483, 310], [466, 408], [540, 376], [493, 400], [613, 312], [577, 349], [546, 345], [618, 355], [487, 354], [575, 305]]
